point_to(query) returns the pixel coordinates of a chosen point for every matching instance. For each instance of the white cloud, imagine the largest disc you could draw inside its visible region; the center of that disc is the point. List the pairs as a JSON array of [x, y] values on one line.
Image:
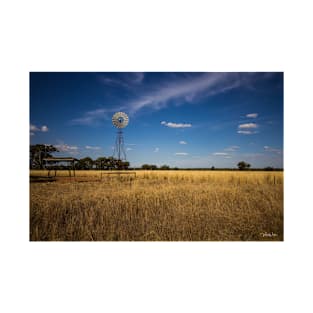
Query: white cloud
[[220, 153], [138, 77], [33, 128], [248, 126], [92, 147], [245, 129], [159, 95], [206, 84], [66, 148], [232, 148], [182, 142], [176, 125], [181, 153], [129, 149], [94, 117], [246, 132], [270, 149], [252, 115], [156, 149], [125, 80]]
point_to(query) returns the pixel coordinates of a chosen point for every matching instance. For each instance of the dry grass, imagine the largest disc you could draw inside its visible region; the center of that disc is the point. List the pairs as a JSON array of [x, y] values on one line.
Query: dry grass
[[160, 205]]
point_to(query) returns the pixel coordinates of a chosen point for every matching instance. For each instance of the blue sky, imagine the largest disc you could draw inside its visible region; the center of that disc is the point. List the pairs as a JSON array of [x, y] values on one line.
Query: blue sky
[[180, 119]]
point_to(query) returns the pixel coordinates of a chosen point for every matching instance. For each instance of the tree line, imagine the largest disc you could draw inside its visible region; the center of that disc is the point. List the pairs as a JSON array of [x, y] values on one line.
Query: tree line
[[39, 152]]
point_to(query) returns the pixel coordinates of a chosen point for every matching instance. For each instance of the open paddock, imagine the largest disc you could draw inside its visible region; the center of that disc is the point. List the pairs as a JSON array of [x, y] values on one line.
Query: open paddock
[[158, 206]]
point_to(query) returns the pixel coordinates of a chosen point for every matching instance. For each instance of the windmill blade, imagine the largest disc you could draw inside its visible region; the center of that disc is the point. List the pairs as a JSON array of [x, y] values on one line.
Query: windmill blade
[[120, 120]]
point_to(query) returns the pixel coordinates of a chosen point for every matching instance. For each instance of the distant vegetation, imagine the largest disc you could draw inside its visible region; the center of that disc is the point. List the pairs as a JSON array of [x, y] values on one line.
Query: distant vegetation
[[39, 152], [243, 165]]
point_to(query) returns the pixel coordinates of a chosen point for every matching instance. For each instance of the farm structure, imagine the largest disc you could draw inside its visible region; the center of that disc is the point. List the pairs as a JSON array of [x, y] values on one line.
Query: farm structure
[[54, 164]]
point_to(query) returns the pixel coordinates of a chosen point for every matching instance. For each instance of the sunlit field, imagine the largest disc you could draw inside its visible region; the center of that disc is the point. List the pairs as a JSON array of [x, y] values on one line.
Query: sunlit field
[[158, 206]]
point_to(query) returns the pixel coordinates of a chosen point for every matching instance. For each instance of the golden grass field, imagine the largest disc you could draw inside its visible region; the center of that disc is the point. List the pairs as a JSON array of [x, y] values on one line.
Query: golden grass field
[[158, 206]]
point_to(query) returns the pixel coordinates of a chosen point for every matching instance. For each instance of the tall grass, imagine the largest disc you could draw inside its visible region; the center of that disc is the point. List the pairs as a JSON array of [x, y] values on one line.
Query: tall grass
[[159, 205]]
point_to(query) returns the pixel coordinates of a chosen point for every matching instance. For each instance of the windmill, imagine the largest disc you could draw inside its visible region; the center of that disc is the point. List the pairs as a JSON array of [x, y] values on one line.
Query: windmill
[[120, 121]]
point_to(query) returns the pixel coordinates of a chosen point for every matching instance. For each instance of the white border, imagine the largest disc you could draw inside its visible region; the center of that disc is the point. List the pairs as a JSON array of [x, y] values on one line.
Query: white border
[[149, 36]]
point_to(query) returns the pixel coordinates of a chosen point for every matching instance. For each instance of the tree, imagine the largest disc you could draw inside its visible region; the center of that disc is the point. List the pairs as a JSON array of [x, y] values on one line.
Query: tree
[[242, 165], [149, 167], [101, 163], [125, 165], [85, 164], [38, 153], [110, 163], [164, 167], [121, 165], [212, 168]]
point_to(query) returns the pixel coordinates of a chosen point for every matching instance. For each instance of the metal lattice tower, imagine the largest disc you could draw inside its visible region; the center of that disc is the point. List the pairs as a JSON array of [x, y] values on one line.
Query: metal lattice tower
[[120, 121]]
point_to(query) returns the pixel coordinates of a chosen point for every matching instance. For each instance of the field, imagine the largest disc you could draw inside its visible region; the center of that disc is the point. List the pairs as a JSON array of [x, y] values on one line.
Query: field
[[158, 206]]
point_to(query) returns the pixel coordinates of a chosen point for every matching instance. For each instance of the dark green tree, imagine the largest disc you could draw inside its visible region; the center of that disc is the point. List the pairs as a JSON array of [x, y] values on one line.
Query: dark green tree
[[85, 163], [111, 163], [242, 165], [38, 153], [101, 163], [125, 165], [149, 167], [164, 167]]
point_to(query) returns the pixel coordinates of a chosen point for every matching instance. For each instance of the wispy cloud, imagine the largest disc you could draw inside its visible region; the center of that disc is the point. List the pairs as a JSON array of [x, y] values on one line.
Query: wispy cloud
[[129, 149], [138, 77], [181, 153], [65, 147], [156, 96], [232, 148], [33, 128], [176, 125], [206, 84], [156, 149], [182, 142], [246, 132], [270, 149], [94, 117], [125, 80], [221, 153], [248, 126], [92, 147], [252, 115]]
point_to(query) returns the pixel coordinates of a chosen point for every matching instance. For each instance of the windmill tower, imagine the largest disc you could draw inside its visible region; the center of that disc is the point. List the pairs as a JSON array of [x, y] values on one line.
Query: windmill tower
[[120, 121]]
